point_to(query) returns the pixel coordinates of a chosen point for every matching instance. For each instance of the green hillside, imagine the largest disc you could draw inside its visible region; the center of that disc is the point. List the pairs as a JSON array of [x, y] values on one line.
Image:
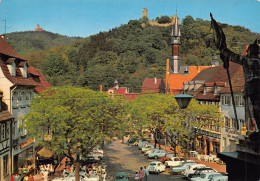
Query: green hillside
[[31, 41], [132, 53]]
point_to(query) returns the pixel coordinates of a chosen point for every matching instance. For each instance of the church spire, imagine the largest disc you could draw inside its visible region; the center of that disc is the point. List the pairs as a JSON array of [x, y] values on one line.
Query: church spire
[[176, 43]]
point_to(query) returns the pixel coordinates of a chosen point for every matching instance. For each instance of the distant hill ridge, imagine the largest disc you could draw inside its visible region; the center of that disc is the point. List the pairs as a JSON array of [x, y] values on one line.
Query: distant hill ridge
[[31, 41]]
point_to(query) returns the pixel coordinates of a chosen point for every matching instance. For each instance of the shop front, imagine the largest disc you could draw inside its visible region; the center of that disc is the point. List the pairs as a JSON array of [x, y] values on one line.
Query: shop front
[[24, 158]]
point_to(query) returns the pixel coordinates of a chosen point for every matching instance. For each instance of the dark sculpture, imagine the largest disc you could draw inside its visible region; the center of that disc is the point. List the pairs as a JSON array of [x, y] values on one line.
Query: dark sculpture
[[251, 68]]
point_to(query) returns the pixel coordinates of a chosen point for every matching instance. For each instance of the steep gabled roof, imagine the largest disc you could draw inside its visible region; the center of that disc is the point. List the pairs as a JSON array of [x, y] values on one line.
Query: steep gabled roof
[[153, 85], [7, 49], [220, 79], [5, 115], [18, 79]]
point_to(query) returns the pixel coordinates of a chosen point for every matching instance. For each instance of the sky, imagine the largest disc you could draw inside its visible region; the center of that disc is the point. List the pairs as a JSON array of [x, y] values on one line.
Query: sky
[[88, 17]]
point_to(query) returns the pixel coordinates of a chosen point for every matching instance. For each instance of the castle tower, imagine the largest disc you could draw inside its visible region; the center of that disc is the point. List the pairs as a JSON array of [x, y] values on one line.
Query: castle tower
[[176, 46], [145, 13]]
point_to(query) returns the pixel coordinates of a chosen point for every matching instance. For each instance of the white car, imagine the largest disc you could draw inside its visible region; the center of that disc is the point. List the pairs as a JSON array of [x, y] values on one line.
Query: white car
[[147, 147], [206, 176], [175, 161], [156, 167], [192, 169]]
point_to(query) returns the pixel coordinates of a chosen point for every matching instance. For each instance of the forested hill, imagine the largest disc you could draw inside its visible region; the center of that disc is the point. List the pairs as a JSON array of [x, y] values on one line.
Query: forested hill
[[31, 41], [132, 53]]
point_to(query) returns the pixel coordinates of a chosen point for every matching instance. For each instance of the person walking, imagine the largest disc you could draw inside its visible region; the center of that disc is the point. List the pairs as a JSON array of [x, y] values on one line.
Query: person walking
[[141, 174], [136, 176], [146, 173], [12, 177], [17, 177], [31, 178]]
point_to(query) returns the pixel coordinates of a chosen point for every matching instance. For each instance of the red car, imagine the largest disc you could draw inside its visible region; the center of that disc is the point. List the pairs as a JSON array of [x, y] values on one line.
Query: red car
[[167, 157]]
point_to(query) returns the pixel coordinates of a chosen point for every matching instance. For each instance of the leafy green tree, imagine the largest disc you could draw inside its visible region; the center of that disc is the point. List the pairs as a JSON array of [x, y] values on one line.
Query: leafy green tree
[[53, 64], [77, 120], [164, 19]]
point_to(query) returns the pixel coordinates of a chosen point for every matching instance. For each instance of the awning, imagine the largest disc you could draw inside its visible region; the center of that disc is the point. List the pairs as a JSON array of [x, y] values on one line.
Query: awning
[[45, 152]]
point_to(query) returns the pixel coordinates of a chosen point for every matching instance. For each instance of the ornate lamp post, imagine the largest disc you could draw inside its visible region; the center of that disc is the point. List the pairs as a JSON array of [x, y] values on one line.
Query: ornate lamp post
[[183, 100]]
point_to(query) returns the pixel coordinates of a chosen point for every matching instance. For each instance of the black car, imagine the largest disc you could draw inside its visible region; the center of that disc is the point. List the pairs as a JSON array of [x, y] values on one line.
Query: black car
[[199, 171]]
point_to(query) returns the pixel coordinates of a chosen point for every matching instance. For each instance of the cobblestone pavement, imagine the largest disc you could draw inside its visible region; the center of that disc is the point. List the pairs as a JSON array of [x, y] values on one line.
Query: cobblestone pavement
[[120, 157]]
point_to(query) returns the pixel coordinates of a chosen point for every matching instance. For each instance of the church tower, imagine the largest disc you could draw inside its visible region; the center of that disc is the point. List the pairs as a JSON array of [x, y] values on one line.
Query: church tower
[[176, 46]]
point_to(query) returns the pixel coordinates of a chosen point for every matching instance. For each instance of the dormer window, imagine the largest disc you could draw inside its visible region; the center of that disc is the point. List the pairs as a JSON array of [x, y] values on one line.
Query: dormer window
[[205, 90], [215, 89], [11, 66], [13, 73], [23, 68]]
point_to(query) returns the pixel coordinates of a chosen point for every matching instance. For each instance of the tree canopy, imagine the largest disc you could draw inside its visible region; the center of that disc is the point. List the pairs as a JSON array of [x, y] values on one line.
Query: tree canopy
[[77, 119]]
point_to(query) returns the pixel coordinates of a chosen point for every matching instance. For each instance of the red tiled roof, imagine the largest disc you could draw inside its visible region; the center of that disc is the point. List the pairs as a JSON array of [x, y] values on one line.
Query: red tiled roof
[[209, 84], [7, 49], [18, 79], [237, 82], [220, 79], [121, 91], [176, 80], [5, 115], [34, 76], [154, 85]]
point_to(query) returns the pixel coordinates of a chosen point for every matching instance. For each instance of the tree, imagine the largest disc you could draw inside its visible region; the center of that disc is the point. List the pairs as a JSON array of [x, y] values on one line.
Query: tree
[[184, 124], [163, 19], [77, 119], [148, 112]]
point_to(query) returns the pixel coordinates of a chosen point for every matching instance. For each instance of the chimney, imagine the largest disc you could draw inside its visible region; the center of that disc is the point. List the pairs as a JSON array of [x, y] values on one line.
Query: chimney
[[100, 88], [198, 67]]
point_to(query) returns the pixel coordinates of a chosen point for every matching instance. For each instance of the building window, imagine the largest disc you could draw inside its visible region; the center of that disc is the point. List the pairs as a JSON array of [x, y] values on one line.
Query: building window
[[22, 97], [13, 72], [239, 100], [14, 99], [5, 164], [3, 132], [226, 123], [25, 71], [234, 124], [215, 146], [226, 100]]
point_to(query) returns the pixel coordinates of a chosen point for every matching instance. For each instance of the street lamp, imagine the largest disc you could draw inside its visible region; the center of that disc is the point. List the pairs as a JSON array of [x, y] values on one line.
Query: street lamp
[[183, 100]]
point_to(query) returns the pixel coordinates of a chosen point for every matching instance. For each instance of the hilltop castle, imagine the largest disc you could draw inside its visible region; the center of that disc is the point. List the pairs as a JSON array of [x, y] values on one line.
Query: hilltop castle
[[38, 28], [155, 23]]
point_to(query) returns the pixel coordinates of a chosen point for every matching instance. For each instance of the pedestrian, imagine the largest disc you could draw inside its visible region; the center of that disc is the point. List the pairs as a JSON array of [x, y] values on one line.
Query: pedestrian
[[45, 176], [17, 177], [12, 177], [26, 178], [136, 176], [31, 178], [141, 173], [146, 173]]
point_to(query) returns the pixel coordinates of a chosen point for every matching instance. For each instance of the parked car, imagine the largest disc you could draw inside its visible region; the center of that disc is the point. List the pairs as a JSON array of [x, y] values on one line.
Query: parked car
[[180, 169], [96, 155], [147, 147], [192, 169], [219, 178], [167, 157], [120, 176], [175, 161], [206, 176], [199, 171], [157, 154], [156, 167], [142, 143], [149, 151]]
